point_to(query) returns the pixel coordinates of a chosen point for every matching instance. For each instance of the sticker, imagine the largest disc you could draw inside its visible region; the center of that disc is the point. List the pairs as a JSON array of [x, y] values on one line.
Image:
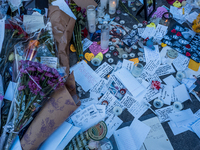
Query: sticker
[[135, 26], [108, 55], [124, 56], [112, 48], [117, 110], [89, 56], [123, 91], [122, 22], [172, 54], [110, 60], [132, 55], [104, 103]]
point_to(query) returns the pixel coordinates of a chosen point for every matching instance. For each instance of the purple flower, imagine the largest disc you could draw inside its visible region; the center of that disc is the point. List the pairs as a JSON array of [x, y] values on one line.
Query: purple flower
[[34, 86], [39, 69], [20, 88], [48, 69], [1, 97], [29, 63], [22, 71], [43, 78], [31, 69], [44, 67], [49, 75], [42, 94], [54, 80], [54, 71], [35, 64], [22, 62], [50, 83]]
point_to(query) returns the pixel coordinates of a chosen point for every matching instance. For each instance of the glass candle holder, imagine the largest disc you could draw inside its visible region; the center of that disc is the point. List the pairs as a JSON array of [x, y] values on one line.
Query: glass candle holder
[[105, 29], [104, 3], [91, 18], [112, 6], [157, 103], [179, 76], [177, 106], [100, 11], [137, 69]]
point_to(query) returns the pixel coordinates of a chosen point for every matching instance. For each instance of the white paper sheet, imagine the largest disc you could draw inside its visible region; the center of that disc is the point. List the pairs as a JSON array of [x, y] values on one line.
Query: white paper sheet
[[128, 64], [86, 43], [129, 82], [73, 131], [100, 87], [152, 94], [176, 130], [132, 137], [88, 101], [85, 76], [166, 94], [56, 137], [191, 17], [160, 32], [157, 138], [87, 118], [140, 31], [181, 62], [152, 66], [50, 61], [64, 7], [151, 54], [170, 80], [148, 32], [33, 23], [16, 144], [10, 91], [188, 82], [165, 69], [181, 115], [113, 122], [163, 113], [181, 93], [104, 69], [195, 127], [102, 110], [2, 31]]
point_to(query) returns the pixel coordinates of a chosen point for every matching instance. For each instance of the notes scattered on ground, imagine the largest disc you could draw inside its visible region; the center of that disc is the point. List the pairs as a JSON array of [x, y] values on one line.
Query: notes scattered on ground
[[104, 69], [170, 80]]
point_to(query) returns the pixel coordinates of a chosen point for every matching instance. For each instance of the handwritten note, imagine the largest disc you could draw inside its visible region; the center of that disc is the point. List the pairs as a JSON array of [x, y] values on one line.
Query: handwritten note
[[151, 54], [166, 94], [33, 23], [152, 66], [165, 69], [2, 31], [113, 122], [104, 69], [50, 61], [85, 76], [157, 136], [128, 64], [160, 32], [86, 44], [100, 87], [163, 113], [181, 62]]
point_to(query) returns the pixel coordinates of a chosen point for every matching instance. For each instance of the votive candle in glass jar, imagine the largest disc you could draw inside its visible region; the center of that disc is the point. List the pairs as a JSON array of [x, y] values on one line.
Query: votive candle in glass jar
[[105, 29], [112, 6], [91, 18], [104, 3]]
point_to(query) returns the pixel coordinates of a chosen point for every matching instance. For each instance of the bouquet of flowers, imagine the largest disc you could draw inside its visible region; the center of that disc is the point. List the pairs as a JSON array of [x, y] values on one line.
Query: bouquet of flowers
[[35, 84]]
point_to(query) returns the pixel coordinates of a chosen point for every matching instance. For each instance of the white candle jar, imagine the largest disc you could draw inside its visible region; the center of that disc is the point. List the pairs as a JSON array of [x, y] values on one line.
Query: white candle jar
[[91, 18], [105, 29], [104, 3], [112, 6]]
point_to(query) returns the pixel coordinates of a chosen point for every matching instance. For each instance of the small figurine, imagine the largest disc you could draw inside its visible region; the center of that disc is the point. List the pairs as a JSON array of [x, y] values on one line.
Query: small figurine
[[150, 44]]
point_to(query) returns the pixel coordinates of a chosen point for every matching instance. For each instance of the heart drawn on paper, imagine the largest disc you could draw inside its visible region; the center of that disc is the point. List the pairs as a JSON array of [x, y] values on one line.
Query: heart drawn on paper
[[188, 46], [173, 31], [163, 44], [89, 56], [188, 54], [178, 34]]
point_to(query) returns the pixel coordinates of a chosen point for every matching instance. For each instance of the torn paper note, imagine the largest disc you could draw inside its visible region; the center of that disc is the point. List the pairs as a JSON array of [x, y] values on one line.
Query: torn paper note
[[163, 113], [86, 43], [85, 76], [113, 122], [104, 69], [152, 66], [181, 62], [2, 31], [32, 23], [165, 69], [130, 82], [170, 80], [151, 54], [87, 117], [128, 64], [64, 7], [189, 82], [181, 93], [157, 136], [50, 61]]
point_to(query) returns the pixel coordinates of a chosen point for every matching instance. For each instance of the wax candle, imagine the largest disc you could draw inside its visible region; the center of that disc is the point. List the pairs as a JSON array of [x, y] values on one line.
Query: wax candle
[[104, 36], [104, 3], [112, 6]]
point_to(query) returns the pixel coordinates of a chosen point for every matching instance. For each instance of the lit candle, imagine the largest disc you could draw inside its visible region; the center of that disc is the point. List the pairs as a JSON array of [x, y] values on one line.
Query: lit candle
[[112, 6]]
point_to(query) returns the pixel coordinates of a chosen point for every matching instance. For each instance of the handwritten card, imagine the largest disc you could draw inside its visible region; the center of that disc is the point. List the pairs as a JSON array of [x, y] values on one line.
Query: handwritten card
[[113, 122], [157, 136], [151, 54], [181, 62], [100, 87], [104, 69], [85, 76], [152, 66], [165, 69], [50, 61]]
